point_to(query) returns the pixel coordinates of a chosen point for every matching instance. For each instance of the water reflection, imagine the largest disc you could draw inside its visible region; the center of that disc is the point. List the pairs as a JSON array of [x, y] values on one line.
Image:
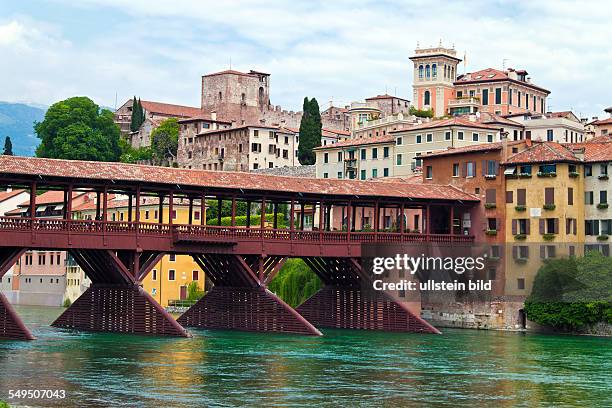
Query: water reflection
[[340, 368]]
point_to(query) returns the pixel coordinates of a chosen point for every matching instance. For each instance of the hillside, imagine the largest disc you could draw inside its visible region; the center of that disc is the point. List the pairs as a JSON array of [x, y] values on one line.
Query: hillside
[[17, 121]]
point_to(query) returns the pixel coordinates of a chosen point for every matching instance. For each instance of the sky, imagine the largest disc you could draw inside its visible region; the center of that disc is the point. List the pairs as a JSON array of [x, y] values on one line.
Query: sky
[[340, 51]]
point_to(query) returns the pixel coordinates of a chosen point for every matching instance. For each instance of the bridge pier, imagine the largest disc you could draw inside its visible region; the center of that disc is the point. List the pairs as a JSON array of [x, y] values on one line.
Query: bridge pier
[[116, 302], [240, 300], [11, 326], [347, 301]]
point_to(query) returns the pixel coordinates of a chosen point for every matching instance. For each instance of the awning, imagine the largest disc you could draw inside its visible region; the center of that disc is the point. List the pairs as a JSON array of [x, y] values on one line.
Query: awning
[[42, 208], [59, 207], [510, 170]]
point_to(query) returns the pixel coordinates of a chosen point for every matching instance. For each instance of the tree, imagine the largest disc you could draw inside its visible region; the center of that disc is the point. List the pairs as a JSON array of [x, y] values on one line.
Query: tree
[[295, 282], [138, 115], [131, 155], [8, 146], [77, 129], [164, 142], [310, 131]]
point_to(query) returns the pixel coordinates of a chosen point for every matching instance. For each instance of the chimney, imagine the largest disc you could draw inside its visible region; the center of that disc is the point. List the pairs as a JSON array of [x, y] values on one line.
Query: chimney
[[579, 153], [213, 115]]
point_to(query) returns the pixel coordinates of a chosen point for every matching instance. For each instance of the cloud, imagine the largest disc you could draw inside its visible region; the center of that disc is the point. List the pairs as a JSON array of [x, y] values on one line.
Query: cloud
[[340, 50]]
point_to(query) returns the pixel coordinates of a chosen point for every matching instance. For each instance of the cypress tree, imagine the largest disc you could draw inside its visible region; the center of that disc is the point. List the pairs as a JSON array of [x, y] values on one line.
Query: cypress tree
[[310, 131], [141, 114], [8, 146], [134, 125]]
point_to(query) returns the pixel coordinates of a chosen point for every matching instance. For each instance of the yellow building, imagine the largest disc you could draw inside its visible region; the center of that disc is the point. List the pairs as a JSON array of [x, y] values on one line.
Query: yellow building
[[169, 279], [544, 211]]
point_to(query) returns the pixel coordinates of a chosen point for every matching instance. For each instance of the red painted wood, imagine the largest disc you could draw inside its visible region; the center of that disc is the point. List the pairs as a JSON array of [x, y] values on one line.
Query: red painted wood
[[11, 326]]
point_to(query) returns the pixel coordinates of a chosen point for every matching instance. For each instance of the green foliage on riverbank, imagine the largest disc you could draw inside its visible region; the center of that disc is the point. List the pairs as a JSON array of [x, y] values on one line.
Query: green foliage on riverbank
[[255, 220], [295, 282], [569, 294]]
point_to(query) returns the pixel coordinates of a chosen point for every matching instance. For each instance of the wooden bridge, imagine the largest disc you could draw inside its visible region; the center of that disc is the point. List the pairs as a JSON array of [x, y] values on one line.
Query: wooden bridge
[[239, 260]]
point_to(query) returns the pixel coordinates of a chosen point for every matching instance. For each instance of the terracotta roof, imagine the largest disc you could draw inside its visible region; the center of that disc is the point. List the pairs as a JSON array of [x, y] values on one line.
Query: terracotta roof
[[492, 75], [479, 148], [543, 152], [561, 114], [337, 131], [600, 139], [455, 121], [413, 179], [602, 122], [215, 131], [488, 118], [597, 152], [203, 116], [385, 96], [233, 72], [5, 195], [50, 197], [362, 141], [113, 202], [170, 109], [129, 173]]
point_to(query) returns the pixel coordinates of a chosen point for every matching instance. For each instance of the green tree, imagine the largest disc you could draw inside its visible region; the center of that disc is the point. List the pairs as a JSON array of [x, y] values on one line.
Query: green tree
[[77, 129], [295, 282], [310, 131], [8, 146], [131, 155], [193, 291], [164, 142], [138, 115], [569, 294]]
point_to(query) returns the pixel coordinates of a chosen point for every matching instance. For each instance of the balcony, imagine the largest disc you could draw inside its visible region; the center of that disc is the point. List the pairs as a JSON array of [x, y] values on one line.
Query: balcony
[[462, 102]]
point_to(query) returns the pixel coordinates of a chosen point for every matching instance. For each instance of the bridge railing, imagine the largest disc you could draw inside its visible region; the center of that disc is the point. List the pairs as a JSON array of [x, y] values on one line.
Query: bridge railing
[[213, 232]]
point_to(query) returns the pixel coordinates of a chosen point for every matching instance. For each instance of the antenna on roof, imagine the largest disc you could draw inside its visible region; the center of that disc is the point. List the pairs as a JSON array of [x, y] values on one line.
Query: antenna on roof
[[504, 63], [230, 66]]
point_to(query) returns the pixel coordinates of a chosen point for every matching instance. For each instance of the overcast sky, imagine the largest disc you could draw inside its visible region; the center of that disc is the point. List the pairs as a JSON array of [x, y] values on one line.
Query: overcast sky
[[332, 50]]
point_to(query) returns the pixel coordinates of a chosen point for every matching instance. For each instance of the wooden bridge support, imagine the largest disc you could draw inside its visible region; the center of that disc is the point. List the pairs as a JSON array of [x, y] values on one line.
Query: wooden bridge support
[[240, 300], [11, 326], [115, 302], [348, 301]]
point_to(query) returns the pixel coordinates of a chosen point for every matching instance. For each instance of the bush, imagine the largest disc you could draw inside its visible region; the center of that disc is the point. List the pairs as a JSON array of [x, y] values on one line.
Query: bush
[[67, 303], [549, 207], [421, 113], [255, 220], [569, 294], [520, 208], [295, 282], [193, 291]]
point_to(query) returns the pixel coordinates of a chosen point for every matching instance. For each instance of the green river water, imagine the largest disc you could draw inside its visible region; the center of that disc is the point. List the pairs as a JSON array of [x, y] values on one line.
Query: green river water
[[341, 368]]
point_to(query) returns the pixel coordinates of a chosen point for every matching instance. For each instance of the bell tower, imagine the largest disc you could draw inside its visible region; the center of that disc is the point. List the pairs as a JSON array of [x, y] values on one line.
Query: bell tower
[[435, 71]]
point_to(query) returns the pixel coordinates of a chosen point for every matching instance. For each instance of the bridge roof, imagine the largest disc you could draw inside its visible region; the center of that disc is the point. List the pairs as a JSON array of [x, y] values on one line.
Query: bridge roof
[[82, 172]]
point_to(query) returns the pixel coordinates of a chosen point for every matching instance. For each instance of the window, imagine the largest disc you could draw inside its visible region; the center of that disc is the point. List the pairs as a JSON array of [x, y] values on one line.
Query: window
[[588, 170], [604, 170], [429, 172], [589, 198], [459, 135], [521, 226], [519, 99], [549, 135], [490, 196], [374, 173], [591, 227], [154, 276], [374, 153], [455, 169], [399, 141], [492, 224], [171, 275], [195, 275], [363, 174], [603, 197], [426, 98], [526, 101], [475, 137], [549, 196], [447, 135], [520, 283], [429, 138], [427, 71], [548, 169], [492, 167], [326, 158], [339, 156], [570, 196], [420, 72], [339, 174], [325, 175], [172, 257], [470, 169], [196, 215], [256, 133], [510, 96], [419, 138], [399, 160], [385, 152], [498, 97], [485, 96], [386, 172], [363, 154]]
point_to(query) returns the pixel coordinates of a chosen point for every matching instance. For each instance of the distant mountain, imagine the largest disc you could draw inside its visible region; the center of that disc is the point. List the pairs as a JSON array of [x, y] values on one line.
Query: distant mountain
[[17, 121]]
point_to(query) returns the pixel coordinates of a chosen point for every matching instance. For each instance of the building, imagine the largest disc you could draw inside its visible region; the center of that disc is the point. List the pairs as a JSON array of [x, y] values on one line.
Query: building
[[240, 148], [435, 71], [335, 114], [560, 127], [365, 158], [602, 127], [597, 190], [500, 92], [544, 210], [437, 86], [428, 137], [10, 199], [169, 279], [156, 111], [383, 125]]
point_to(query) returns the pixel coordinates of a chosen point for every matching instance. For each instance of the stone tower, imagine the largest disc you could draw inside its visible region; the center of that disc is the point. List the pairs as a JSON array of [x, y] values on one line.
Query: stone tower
[[435, 71]]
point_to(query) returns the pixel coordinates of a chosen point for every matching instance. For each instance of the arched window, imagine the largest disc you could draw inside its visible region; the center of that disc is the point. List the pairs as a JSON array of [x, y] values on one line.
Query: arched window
[[434, 71], [446, 71], [220, 96], [427, 73], [420, 72], [426, 98], [452, 73], [261, 95]]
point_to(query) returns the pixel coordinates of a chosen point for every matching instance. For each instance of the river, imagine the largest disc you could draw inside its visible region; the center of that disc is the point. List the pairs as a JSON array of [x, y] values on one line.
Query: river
[[341, 368]]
